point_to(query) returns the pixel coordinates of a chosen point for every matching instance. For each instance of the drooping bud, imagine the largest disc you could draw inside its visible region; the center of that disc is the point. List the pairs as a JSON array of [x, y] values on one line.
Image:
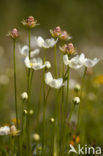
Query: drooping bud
[[30, 22], [14, 34]]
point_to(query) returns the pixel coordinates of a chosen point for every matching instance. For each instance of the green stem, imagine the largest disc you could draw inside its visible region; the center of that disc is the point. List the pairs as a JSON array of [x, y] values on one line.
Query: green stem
[[44, 106], [67, 95], [82, 86], [15, 87], [55, 59], [29, 93]]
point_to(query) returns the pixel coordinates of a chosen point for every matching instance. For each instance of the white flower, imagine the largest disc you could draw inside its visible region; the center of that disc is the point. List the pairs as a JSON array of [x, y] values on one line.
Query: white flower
[[4, 130], [79, 61], [36, 63], [54, 83], [24, 96], [25, 51], [72, 63], [48, 43], [88, 62]]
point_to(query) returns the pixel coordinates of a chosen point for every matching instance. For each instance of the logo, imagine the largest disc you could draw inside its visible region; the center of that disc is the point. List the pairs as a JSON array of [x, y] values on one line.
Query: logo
[[85, 150]]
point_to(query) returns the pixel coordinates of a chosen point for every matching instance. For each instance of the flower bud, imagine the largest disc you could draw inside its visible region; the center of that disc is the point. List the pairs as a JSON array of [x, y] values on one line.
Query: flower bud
[[68, 49], [31, 112], [64, 36], [25, 112], [24, 96], [47, 64], [77, 88], [30, 22], [76, 100], [52, 120], [14, 34], [36, 137], [56, 32]]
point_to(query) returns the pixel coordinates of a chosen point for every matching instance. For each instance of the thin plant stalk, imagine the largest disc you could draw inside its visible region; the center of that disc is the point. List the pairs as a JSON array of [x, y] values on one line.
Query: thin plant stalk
[[28, 102], [15, 87], [44, 106], [55, 60], [81, 92], [15, 92], [82, 85], [67, 94]]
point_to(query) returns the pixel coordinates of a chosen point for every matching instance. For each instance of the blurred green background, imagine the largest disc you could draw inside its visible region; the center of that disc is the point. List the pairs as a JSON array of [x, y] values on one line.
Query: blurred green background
[[82, 18]]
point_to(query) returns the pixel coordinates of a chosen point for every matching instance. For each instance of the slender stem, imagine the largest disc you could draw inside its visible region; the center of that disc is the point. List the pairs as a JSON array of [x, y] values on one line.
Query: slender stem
[[29, 36], [15, 92], [44, 106], [67, 89], [82, 86], [29, 93], [55, 59], [15, 87], [39, 104]]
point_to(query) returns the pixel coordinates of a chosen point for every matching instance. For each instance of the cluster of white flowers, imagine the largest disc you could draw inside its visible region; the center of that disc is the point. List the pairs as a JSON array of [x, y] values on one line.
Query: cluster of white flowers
[[37, 63], [79, 61]]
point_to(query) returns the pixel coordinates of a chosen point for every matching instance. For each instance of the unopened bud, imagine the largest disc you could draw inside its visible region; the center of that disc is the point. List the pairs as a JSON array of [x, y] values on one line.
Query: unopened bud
[[77, 88], [14, 34], [30, 22], [76, 100], [31, 112], [24, 96], [36, 137], [25, 112], [52, 120]]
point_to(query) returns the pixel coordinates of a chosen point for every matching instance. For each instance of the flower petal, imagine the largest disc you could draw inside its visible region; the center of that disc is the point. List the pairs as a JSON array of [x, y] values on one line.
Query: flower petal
[[24, 50], [65, 60], [35, 52], [48, 78], [27, 62]]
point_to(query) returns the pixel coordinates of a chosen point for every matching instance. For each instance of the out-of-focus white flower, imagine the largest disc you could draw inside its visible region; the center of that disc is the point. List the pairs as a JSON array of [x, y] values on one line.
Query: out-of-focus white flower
[[5, 130], [54, 83], [36, 63], [24, 96], [72, 63], [88, 62], [25, 51], [14, 131], [48, 43]]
